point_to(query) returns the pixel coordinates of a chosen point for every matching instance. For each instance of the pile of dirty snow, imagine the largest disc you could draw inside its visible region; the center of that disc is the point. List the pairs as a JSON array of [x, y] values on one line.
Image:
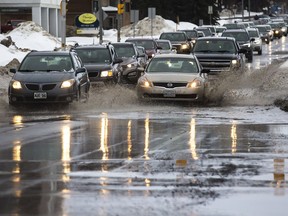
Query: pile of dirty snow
[[143, 27]]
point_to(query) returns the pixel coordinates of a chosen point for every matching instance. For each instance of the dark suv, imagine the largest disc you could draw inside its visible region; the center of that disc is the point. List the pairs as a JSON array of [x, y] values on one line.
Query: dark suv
[[132, 65], [149, 44], [179, 40], [242, 37], [219, 54], [101, 62]]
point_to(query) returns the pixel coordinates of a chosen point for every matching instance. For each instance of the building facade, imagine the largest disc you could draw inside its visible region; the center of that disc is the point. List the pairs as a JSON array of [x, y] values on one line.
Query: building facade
[[47, 13], [43, 12]]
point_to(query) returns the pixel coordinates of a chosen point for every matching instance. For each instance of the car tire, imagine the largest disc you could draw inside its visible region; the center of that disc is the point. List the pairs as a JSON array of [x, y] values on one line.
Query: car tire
[[260, 52]]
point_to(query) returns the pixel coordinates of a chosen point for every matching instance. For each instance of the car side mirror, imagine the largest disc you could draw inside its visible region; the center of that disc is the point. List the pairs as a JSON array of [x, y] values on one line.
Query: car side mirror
[[81, 70], [252, 39], [12, 70]]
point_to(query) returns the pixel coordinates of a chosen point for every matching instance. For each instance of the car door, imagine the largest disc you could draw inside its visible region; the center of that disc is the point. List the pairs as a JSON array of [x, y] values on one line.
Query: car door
[[82, 77]]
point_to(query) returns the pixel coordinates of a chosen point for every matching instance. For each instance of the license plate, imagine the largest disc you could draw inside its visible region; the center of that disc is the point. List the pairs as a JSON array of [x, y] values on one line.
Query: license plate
[[40, 95], [169, 93]]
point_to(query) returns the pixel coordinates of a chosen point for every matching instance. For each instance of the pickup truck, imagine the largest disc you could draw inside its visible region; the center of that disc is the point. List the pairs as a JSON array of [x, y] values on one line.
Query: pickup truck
[[10, 25]]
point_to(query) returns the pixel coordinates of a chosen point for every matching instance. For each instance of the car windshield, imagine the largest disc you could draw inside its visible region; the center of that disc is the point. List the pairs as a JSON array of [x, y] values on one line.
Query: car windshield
[[253, 34], [173, 65], [191, 34], [173, 36], [239, 36], [147, 44], [262, 29], [220, 46], [164, 45], [94, 55], [46, 63], [124, 51]]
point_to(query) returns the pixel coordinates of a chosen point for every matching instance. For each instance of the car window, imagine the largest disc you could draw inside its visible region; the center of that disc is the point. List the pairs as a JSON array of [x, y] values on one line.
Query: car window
[[239, 36], [225, 46], [168, 65], [164, 45], [46, 63], [124, 51], [173, 36], [253, 34], [94, 55], [147, 44]]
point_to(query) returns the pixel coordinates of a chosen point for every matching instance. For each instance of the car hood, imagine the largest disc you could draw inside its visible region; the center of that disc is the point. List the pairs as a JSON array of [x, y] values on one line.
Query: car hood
[[43, 77], [97, 67], [168, 77], [215, 56]]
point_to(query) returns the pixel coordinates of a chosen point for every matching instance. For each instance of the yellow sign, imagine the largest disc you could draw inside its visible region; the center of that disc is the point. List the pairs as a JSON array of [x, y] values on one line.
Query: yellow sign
[[120, 8], [87, 18]]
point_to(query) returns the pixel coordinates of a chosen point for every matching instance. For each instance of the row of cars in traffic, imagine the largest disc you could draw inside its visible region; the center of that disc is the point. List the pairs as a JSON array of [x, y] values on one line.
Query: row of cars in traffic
[[173, 67]]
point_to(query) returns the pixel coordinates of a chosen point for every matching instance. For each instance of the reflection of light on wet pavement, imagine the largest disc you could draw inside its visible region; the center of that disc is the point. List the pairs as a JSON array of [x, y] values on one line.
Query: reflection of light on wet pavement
[[234, 137], [147, 131], [279, 176], [147, 182], [129, 139], [104, 137], [16, 151], [66, 142], [18, 121], [192, 140]]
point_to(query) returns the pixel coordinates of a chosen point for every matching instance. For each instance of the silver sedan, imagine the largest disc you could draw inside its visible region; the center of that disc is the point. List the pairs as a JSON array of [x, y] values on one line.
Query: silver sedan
[[173, 77]]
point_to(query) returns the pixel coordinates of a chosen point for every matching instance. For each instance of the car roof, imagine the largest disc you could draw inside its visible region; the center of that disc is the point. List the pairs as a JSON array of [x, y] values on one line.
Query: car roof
[[216, 38], [235, 30], [89, 46], [48, 52], [174, 56], [133, 39]]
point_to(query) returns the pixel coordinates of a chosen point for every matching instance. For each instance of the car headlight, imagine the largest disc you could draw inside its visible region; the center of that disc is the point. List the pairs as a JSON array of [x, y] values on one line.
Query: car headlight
[[67, 83], [277, 32], [234, 62], [283, 29], [194, 84], [184, 46], [16, 84], [132, 65], [144, 82], [106, 73]]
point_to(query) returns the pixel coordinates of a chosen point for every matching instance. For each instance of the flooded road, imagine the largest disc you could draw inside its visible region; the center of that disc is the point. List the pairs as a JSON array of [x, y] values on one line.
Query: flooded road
[[116, 156], [153, 159]]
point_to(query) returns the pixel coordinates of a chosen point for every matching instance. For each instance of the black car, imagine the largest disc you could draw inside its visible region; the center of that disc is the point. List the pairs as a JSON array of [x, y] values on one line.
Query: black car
[[49, 77], [242, 37], [219, 54], [149, 44], [132, 65], [101, 62], [179, 40]]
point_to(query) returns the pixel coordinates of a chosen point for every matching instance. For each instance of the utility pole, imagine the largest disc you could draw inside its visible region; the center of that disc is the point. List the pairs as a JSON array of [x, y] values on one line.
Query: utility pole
[[242, 10], [63, 21], [100, 22]]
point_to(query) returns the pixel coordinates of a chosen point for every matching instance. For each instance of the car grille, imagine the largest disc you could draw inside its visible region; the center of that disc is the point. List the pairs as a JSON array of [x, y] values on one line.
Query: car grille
[[94, 74], [183, 96], [169, 84], [215, 64], [37, 87]]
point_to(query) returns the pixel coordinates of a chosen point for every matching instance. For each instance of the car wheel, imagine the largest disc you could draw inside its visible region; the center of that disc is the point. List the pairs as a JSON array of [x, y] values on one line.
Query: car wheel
[[250, 58], [260, 52]]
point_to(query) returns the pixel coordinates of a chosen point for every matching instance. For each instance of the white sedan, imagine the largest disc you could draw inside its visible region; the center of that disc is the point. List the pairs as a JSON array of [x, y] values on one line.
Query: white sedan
[[173, 77]]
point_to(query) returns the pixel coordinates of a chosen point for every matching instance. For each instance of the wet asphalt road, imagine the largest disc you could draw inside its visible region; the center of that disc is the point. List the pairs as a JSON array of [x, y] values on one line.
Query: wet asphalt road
[[153, 159]]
